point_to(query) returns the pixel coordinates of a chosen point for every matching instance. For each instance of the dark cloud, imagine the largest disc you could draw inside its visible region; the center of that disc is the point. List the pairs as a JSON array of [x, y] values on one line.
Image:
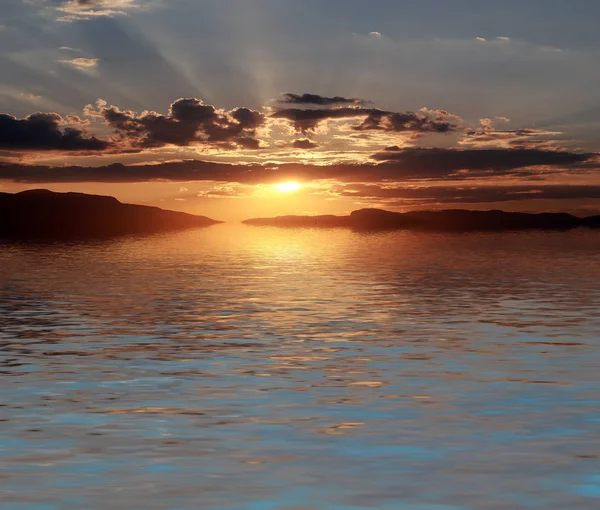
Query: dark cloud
[[426, 121], [445, 162], [304, 143], [248, 143], [190, 170], [45, 132], [315, 99], [189, 121], [307, 119], [465, 195], [409, 165]]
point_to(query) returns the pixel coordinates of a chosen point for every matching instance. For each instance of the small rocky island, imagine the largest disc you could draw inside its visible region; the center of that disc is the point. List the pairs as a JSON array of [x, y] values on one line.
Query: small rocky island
[[43, 214], [446, 220]]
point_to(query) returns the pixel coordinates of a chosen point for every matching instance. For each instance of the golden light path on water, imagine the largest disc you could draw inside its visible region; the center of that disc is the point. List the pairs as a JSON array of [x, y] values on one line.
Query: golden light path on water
[[247, 368]]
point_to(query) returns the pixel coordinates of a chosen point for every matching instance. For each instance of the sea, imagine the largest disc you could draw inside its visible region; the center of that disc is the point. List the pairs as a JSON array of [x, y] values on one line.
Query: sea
[[257, 368]]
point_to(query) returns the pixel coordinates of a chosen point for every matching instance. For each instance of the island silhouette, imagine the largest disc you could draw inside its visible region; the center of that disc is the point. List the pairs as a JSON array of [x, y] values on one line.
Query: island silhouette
[[445, 220], [44, 214]]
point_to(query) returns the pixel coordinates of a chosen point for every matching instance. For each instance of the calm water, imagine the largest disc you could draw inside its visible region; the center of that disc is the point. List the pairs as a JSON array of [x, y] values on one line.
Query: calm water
[[241, 368]]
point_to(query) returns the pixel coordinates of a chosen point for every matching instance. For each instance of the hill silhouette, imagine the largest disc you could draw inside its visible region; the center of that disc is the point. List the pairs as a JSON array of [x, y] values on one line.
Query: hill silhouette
[[446, 220], [44, 214]]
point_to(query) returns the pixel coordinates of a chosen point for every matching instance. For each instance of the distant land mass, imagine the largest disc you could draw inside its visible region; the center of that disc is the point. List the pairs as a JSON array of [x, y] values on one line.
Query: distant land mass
[[446, 220], [43, 214]]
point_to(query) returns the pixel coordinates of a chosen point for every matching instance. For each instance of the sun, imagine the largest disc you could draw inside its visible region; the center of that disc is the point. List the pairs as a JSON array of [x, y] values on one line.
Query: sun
[[288, 187]]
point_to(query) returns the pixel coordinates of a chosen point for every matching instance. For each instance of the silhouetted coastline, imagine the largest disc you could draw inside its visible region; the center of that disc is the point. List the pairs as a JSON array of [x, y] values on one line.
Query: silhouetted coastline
[[446, 220], [47, 215]]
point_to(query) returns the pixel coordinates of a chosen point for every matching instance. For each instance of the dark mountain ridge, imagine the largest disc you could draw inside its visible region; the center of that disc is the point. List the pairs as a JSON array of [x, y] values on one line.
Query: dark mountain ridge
[[47, 215], [446, 220]]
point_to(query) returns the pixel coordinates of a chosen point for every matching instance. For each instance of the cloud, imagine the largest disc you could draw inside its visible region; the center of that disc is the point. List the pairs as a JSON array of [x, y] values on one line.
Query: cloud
[[34, 98], [500, 39], [247, 143], [226, 191], [447, 163], [189, 121], [81, 62], [45, 132], [315, 99], [432, 121], [179, 171], [307, 119], [75, 120], [355, 139], [76, 10], [419, 164], [304, 143], [425, 121], [486, 135], [424, 195]]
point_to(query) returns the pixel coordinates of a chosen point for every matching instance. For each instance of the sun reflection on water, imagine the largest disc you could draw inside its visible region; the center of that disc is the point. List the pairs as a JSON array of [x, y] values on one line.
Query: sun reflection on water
[[241, 367]]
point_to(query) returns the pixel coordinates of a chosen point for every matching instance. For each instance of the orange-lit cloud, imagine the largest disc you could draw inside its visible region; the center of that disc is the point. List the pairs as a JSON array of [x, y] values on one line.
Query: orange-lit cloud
[[76, 10], [304, 143], [81, 62], [487, 135]]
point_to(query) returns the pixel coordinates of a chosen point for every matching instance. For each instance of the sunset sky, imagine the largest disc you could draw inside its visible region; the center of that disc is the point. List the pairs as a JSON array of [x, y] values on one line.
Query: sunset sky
[[243, 108]]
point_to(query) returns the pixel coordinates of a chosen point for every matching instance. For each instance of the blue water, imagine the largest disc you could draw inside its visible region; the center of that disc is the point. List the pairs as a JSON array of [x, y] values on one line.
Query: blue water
[[244, 368]]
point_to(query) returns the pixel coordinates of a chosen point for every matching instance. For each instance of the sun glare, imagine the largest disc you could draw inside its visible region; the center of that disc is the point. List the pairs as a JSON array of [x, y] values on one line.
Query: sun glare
[[288, 187]]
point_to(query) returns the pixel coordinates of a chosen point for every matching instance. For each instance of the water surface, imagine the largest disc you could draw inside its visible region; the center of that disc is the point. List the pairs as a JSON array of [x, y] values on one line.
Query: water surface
[[243, 368]]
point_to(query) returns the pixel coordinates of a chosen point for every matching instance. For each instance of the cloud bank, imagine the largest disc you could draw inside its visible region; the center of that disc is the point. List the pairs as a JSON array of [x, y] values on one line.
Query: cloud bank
[[466, 194], [407, 165], [45, 132], [190, 121], [478, 162]]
